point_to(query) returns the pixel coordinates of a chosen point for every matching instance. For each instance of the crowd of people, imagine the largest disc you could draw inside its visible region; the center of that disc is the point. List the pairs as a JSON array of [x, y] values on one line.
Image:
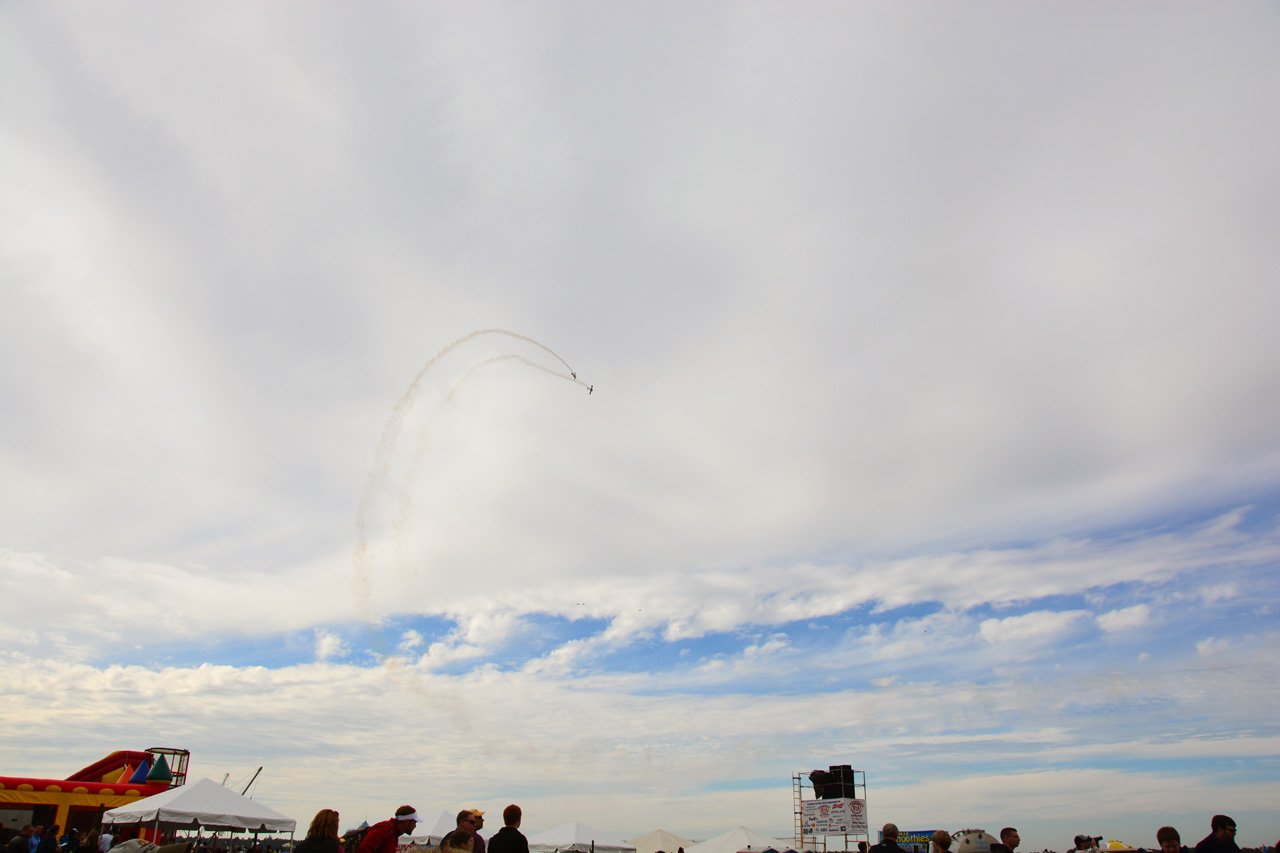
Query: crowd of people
[[1221, 839], [40, 839], [384, 837]]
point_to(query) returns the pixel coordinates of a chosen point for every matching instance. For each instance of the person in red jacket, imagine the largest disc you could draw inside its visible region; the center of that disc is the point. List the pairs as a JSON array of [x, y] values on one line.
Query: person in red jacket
[[384, 837]]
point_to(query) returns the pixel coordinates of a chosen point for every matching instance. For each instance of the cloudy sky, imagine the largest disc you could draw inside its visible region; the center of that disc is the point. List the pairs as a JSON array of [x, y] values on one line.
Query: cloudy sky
[[935, 426]]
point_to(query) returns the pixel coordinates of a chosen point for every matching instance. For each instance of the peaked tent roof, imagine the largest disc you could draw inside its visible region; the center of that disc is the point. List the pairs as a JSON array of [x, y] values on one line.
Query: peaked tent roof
[[432, 829], [204, 803], [660, 839], [576, 836], [742, 838]]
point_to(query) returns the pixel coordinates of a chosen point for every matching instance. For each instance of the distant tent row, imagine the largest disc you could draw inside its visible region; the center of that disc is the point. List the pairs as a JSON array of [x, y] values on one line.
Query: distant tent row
[[577, 837], [660, 839], [580, 838], [735, 840]]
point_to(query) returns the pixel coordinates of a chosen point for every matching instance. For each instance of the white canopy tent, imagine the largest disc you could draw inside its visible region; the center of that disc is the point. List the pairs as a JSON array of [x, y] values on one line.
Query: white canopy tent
[[433, 829], [201, 805], [735, 840], [577, 837], [660, 839]]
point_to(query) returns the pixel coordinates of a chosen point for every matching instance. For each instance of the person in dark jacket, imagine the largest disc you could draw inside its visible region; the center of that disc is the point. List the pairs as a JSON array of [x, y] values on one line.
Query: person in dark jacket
[[888, 840], [1223, 837], [509, 839], [322, 835], [20, 843], [49, 841], [384, 837], [472, 820]]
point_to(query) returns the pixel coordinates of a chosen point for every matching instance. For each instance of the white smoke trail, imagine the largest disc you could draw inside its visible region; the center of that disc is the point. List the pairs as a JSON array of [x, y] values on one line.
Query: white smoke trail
[[387, 444], [404, 508]]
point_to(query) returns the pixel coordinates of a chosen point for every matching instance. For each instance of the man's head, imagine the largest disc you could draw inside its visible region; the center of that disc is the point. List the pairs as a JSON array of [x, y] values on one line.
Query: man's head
[[511, 816], [1170, 840], [1223, 827], [1009, 837], [406, 819], [479, 815], [466, 820], [890, 832], [27, 830]]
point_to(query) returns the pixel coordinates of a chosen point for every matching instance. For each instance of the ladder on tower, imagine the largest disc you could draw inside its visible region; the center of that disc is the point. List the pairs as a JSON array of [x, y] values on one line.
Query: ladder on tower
[[802, 842]]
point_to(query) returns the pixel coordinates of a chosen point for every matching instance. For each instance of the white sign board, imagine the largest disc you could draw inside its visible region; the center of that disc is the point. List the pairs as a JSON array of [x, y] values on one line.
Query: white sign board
[[833, 817]]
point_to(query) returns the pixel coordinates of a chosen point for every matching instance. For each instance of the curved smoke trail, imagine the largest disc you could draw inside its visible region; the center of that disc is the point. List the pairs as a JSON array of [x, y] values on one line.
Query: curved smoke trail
[[391, 435], [404, 507]]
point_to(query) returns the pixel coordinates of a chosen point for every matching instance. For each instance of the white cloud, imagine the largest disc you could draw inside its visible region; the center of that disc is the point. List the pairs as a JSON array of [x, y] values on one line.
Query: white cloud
[[1031, 628], [679, 606], [535, 729], [329, 645], [1125, 619], [1218, 592], [1211, 646], [973, 342]]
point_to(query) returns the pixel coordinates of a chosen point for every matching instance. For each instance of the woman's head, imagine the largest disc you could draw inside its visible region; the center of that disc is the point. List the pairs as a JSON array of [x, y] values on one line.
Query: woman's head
[[324, 824]]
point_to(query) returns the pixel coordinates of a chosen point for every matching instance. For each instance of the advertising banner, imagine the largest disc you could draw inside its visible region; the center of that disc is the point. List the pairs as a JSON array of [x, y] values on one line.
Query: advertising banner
[[833, 817], [914, 840]]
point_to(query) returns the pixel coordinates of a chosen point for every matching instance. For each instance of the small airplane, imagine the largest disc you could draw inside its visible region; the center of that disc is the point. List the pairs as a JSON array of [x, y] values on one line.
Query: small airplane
[[590, 388], [574, 375]]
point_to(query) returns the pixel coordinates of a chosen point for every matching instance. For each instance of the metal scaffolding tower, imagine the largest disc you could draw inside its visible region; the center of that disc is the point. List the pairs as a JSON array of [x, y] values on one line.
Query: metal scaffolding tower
[[799, 784]]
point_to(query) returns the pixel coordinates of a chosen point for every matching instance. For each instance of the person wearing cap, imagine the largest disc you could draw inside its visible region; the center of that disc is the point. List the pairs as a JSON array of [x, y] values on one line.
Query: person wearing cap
[[1086, 842], [471, 820], [384, 837], [1223, 837], [509, 839]]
